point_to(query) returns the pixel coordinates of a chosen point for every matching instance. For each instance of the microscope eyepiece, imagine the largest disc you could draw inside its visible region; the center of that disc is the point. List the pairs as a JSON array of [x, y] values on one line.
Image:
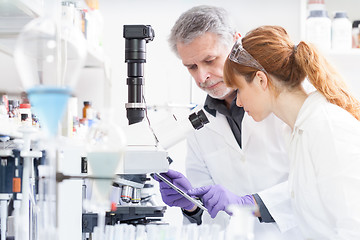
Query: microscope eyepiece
[[198, 120]]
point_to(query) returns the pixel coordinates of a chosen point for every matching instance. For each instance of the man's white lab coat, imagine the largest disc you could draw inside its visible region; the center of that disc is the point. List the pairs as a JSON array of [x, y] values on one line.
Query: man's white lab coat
[[261, 166], [324, 178]]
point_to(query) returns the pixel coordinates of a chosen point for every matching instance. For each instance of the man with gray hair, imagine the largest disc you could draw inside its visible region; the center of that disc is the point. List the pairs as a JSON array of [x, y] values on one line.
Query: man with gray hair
[[233, 154]]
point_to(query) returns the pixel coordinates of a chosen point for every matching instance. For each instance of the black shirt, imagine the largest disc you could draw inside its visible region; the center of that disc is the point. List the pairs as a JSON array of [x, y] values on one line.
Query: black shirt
[[234, 115]]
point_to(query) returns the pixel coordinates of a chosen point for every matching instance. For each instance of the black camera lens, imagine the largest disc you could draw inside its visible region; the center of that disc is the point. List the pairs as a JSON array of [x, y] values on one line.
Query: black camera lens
[[136, 37], [198, 120]]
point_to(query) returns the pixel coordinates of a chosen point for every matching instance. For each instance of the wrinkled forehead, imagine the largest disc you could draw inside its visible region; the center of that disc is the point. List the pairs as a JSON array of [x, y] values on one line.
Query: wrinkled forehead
[[208, 38], [203, 47]]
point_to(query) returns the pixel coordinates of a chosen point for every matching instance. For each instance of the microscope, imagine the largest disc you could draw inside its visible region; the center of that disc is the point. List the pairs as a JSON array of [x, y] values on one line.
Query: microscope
[[145, 152]]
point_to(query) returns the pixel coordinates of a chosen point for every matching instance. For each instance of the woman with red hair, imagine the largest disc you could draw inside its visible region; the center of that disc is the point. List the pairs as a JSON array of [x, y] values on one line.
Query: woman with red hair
[[268, 70]]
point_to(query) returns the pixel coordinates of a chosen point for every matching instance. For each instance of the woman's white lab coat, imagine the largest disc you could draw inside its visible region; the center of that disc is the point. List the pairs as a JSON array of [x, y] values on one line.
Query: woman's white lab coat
[[261, 166], [324, 178]]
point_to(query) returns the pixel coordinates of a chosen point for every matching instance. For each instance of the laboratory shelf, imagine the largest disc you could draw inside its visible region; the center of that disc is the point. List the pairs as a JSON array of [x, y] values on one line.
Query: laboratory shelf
[[20, 9], [344, 58], [14, 15], [354, 52]]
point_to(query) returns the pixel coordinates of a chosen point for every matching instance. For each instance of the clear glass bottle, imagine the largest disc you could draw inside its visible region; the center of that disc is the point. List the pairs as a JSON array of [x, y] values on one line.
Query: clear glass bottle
[[88, 112], [105, 151]]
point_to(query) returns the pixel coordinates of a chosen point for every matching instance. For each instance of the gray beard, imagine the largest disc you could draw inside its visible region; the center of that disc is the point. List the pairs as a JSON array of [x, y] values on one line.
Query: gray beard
[[222, 96]]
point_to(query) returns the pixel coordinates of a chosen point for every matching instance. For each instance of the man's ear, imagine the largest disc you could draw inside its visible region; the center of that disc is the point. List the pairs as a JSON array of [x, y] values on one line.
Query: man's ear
[[263, 80]]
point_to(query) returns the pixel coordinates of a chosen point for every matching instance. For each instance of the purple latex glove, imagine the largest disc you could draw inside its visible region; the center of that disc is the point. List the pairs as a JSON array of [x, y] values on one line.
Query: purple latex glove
[[217, 198], [169, 195]]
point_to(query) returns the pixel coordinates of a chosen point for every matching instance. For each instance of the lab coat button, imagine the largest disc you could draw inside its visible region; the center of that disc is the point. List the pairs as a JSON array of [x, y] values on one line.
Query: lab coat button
[[292, 194]]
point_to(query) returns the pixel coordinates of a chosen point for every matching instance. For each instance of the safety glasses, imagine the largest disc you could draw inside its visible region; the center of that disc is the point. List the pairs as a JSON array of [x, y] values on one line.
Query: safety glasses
[[239, 55]]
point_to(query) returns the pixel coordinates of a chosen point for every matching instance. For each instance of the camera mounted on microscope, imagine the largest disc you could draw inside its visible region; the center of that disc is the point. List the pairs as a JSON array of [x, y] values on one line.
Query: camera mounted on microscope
[[136, 37]]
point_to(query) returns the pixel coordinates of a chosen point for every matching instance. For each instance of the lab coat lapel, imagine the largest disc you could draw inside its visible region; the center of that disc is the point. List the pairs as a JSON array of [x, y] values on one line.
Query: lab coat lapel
[[247, 126], [220, 125]]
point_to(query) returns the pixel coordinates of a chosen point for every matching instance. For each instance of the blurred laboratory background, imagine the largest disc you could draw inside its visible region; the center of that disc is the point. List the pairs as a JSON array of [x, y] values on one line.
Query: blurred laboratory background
[[97, 59]]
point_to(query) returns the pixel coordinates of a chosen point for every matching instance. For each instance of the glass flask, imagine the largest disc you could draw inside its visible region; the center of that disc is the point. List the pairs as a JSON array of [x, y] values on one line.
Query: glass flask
[[49, 57], [105, 152]]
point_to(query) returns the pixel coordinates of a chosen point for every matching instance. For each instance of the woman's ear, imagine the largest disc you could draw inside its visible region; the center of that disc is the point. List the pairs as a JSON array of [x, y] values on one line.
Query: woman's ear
[[263, 80]]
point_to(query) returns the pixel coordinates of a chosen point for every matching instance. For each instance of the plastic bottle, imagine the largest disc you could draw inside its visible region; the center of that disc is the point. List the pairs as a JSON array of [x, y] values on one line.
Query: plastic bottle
[[5, 101], [315, 5], [11, 112], [77, 16], [341, 32], [25, 113], [84, 22], [17, 111], [318, 29], [355, 34], [3, 112], [68, 12]]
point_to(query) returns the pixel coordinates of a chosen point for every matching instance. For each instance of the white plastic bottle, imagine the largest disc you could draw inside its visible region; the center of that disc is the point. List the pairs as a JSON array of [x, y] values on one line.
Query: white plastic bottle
[[315, 5], [341, 32], [318, 29]]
